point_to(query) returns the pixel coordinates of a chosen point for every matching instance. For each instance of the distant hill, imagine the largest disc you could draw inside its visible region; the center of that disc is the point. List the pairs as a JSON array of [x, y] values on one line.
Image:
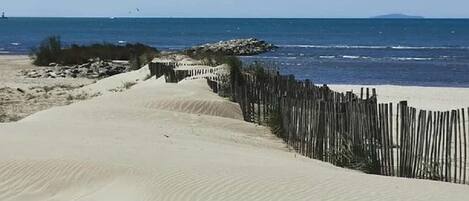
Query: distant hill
[[398, 16]]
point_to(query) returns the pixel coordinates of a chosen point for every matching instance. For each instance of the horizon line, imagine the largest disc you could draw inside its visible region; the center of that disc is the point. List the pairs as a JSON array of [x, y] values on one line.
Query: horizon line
[[182, 17]]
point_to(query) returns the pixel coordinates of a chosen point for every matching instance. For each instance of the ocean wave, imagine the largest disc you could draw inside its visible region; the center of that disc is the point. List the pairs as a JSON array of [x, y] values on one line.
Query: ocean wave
[[377, 58], [411, 59], [350, 57], [262, 57], [268, 57], [4, 52], [372, 47], [345, 57], [15, 44]]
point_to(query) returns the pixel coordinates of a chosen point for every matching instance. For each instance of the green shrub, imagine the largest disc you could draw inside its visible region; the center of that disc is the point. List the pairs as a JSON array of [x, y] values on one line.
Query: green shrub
[[354, 157], [275, 123], [51, 51]]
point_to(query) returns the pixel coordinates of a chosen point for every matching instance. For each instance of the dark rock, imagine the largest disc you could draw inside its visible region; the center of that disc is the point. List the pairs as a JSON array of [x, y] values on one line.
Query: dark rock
[[94, 69], [237, 47]]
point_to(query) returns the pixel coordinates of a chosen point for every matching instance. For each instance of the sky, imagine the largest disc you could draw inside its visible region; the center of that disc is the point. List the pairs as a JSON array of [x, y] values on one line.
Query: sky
[[235, 8]]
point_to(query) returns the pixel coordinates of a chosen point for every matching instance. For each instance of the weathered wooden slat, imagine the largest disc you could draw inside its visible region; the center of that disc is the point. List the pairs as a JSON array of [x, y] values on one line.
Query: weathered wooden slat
[[398, 140], [465, 145], [440, 158], [427, 155], [458, 120], [391, 140]]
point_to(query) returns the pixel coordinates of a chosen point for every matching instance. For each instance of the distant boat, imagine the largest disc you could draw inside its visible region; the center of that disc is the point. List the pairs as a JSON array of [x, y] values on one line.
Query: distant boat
[[3, 16]]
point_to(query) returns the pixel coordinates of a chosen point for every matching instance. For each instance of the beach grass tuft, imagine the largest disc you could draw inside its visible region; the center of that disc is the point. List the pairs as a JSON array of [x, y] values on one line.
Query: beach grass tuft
[[128, 85]]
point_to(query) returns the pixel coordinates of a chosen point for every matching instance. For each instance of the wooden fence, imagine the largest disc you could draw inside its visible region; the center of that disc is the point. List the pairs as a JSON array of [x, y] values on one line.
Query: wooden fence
[[355, 131], [351, 130], [174, 73]]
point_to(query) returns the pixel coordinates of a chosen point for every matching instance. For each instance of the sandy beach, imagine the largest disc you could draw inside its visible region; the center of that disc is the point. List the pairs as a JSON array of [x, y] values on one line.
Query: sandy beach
[[21, 96], [162, 141], [425, 98]]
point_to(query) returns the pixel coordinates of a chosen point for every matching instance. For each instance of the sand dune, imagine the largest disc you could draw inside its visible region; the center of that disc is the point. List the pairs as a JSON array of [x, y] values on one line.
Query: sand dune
[[160, 141], [116, 82]]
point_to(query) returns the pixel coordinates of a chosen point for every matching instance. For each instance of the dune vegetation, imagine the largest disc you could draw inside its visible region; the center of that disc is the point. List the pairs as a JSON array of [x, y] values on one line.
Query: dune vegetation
[[52, 50]]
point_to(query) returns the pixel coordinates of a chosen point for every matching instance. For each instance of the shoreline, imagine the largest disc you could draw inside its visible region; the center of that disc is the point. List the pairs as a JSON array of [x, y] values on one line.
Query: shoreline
[[13, 55], [7, 53]]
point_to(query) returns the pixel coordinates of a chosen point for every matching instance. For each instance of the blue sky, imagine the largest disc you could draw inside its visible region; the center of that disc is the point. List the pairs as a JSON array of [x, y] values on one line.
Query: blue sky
[[235, 8]]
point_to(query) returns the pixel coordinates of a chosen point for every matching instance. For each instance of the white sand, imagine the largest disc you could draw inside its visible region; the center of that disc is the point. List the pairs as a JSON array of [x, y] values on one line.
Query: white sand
[[21, 96], [427, 98], [160, 141], [116, 82]]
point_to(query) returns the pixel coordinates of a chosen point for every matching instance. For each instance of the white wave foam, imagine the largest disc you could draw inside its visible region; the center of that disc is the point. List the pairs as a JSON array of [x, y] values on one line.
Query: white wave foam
[[269, 57], [411, 59], [381, 58], [351, 57], [334, 46], [370, 47], [391, 58], [15, 44]]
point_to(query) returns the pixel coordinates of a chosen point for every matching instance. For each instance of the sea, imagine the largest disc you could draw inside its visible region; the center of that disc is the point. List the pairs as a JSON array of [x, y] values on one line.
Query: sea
[[416, 52]]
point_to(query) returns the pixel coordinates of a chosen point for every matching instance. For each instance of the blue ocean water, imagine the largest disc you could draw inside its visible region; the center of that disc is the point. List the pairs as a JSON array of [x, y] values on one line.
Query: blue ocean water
[[431, 52]]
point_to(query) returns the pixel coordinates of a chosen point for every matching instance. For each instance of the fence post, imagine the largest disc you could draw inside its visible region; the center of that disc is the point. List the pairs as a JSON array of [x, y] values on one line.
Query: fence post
[[403, 138]]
